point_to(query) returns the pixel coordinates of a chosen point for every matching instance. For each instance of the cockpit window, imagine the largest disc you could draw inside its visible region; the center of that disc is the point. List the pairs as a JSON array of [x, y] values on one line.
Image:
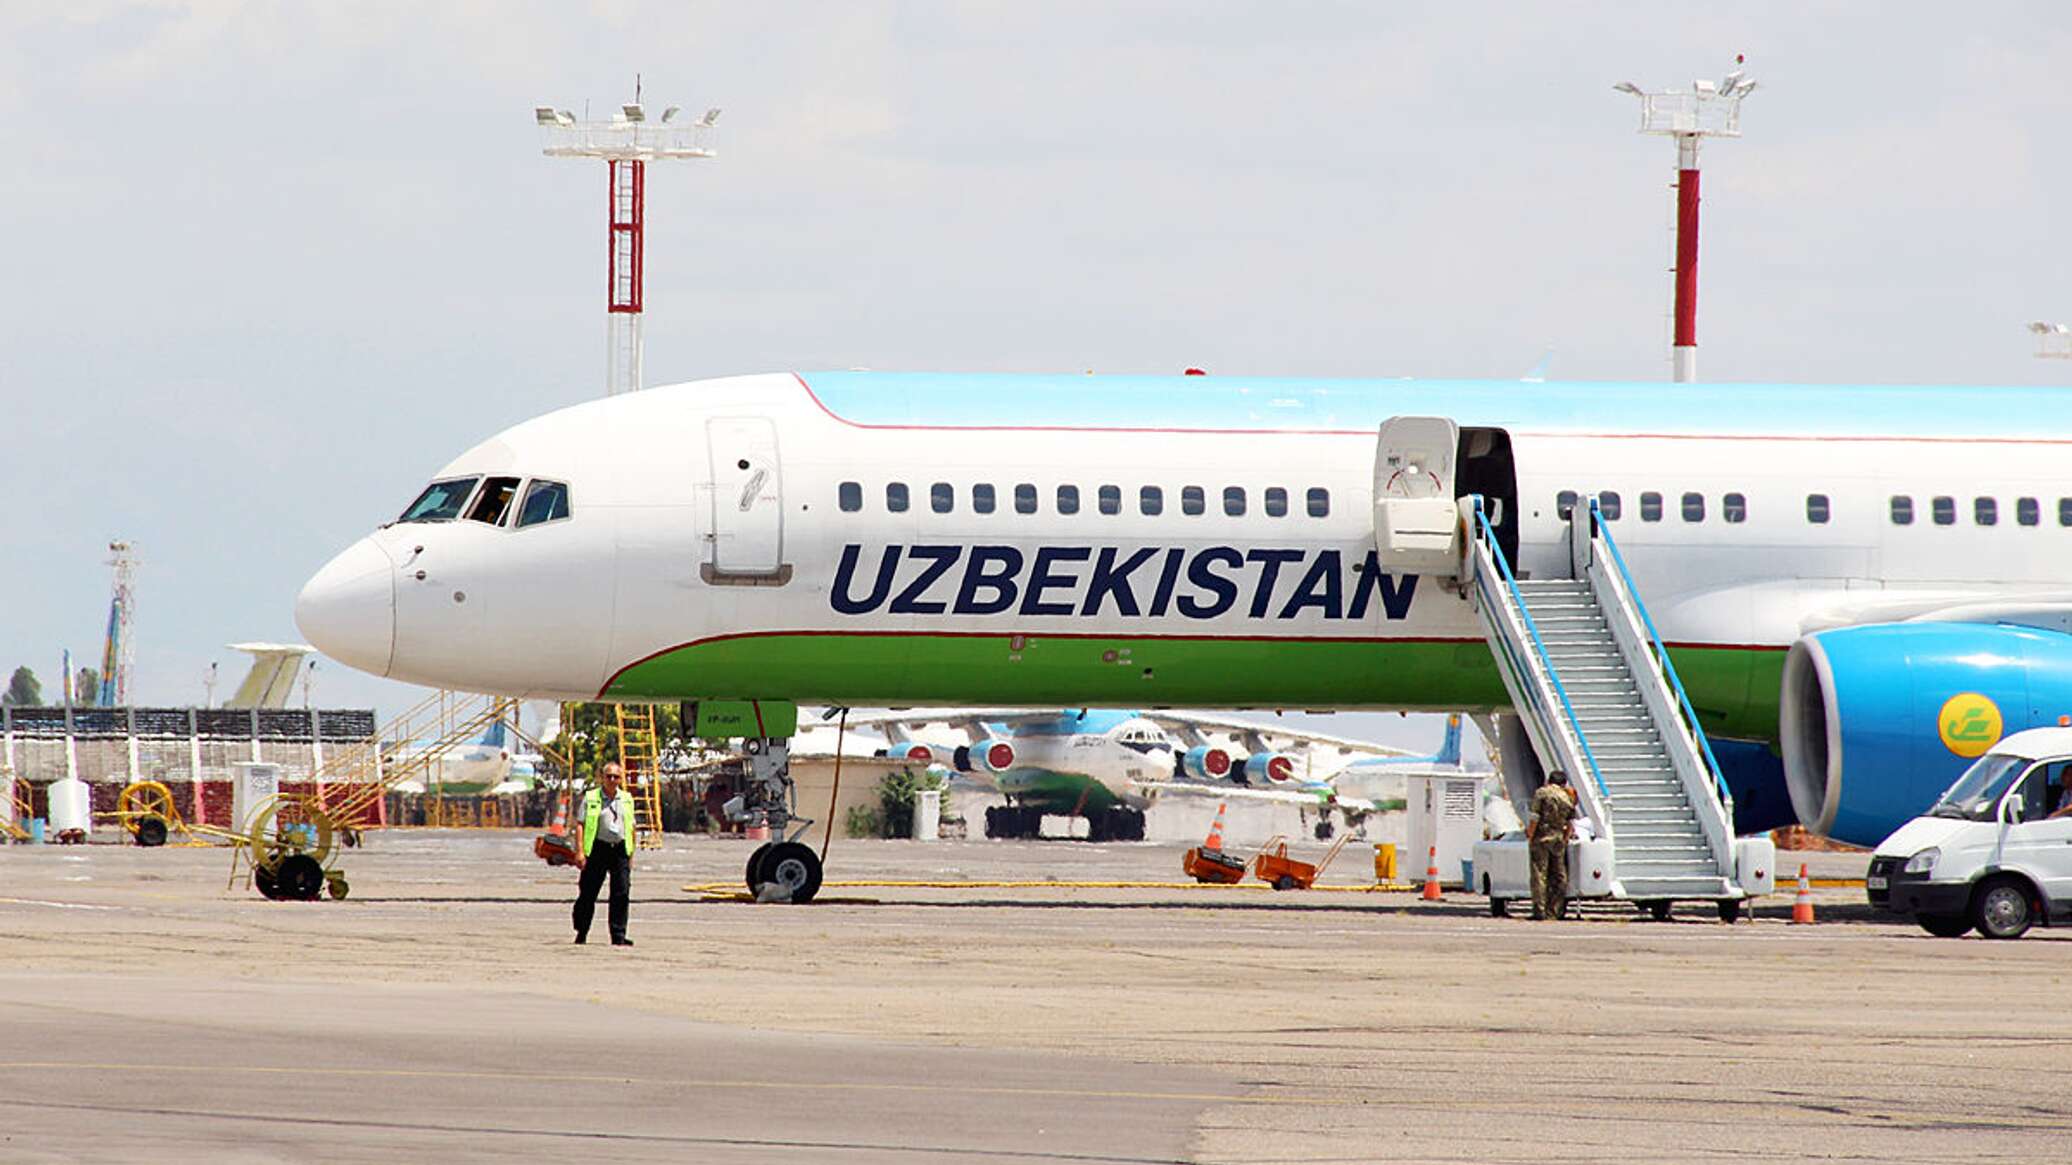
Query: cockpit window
[[494, 501], [441, 501], [545, 501]]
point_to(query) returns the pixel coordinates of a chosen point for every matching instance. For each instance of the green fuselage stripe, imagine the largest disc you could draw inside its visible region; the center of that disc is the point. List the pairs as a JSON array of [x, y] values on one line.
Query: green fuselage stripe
[[1734, 688]]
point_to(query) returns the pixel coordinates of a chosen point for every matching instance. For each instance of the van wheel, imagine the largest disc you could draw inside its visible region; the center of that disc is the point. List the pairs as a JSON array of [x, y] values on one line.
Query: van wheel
[[2001, 908], [1944, 925]]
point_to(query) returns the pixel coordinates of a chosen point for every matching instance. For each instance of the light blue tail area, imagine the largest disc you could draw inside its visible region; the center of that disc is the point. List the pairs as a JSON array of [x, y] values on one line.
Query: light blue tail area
[[494, 738], [1449, 748]]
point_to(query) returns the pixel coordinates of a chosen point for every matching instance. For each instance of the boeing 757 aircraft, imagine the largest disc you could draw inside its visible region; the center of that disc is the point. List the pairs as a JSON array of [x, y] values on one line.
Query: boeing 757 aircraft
[[1869, 581]]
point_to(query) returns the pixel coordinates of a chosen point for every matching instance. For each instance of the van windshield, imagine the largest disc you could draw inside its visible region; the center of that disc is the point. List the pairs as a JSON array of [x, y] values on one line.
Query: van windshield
[[1978, 791]]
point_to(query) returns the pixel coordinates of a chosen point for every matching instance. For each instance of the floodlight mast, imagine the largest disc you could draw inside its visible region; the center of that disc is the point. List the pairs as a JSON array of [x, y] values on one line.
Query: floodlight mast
[[627, 143], [1704, 110]]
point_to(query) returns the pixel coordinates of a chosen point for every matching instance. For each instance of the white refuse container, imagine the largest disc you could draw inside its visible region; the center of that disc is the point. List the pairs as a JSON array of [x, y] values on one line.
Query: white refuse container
[[927, 814], [71, 807]]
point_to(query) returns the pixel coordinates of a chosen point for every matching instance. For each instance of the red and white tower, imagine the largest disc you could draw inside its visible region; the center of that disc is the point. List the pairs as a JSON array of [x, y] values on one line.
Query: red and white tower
[[627, 143], [1704, 110]]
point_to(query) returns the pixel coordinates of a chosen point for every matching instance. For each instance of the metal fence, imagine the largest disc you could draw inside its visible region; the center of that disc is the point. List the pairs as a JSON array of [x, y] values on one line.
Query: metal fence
[[174, 745]]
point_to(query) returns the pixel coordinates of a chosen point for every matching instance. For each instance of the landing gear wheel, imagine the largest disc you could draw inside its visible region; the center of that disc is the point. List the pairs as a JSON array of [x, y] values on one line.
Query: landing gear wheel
[[267, 882], [1944, 925], [2001, 909], [151, 831], [1659, 909], [1730, 910], [754, 872], [300, 877], [1324, 830], [1499, 907], [795, 867]]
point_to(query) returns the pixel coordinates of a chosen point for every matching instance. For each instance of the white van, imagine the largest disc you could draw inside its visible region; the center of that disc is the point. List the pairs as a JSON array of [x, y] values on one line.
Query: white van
[[1993, 853]]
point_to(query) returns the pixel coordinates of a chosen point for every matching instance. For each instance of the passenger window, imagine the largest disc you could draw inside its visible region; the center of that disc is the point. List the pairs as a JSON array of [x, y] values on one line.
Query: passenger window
[[1234, 500], [1943, 510], [850, 496], [2065, 511], [1694, 507], [1608, 505], [1985, 511], [1319, 502], [1564, 504], [2027, 512], [545, 501], [1276, 502], [1817, 509], [1734, 508], [1068, 499], [1151, 501], [494, 501], [1111, 499], [941, 497], [441, 501], [1651, 506], [1191, 502], [896, 497], [982, 498], [1902, 510], [1025, 498]]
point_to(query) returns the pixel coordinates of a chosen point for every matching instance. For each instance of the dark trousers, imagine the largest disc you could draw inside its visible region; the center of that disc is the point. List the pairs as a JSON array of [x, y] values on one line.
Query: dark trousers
[[615, 862], [1549, 878]]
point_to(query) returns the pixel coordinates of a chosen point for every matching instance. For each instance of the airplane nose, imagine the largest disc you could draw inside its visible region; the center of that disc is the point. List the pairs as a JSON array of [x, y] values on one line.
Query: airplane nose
[[348, 610]]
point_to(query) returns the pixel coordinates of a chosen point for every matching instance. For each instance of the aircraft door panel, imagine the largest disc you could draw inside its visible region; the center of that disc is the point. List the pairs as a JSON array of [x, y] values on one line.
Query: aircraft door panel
[[1416, 526], [747, 493]]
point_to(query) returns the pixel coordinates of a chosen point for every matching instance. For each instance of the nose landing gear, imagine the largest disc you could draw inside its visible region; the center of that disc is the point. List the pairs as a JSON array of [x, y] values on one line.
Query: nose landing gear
[[787, 870]]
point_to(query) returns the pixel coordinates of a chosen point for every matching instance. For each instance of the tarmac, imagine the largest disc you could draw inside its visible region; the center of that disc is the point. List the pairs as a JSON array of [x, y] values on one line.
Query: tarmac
[[1006, 1012]]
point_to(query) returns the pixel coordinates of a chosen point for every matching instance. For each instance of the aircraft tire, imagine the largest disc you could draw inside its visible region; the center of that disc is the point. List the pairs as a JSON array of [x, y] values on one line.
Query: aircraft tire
[[793, 865], [1100, 826], [1324, 829], [754, 872], [1136, 825]]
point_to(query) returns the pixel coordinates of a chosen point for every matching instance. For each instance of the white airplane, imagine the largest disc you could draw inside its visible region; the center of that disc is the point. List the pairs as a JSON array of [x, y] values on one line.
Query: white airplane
[[1108, 766], [1872, 581]]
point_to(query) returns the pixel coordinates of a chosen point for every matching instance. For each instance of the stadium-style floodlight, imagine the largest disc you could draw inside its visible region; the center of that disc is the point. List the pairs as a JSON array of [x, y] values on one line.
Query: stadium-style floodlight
[[2053, 341], [1706, 109], [627, 143]]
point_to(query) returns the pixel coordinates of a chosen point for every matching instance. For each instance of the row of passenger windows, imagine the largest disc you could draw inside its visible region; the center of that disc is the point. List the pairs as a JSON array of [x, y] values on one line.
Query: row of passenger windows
[[1151, 501], [1733, 507], [443, 501]]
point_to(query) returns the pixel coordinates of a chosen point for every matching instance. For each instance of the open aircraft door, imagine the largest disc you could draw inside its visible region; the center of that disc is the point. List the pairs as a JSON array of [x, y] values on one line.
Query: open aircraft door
[[747, 503], [1416, 522]]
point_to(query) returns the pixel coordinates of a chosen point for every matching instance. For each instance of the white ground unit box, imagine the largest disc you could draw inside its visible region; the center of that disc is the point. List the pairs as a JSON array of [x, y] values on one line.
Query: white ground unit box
[[251, 782], [927, 814], [1443, 811], [71, 807], [7, 797]]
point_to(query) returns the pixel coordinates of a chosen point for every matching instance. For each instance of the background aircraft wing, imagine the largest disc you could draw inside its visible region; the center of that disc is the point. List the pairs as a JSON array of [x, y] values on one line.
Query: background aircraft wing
[[1192, 728], [1310, 798]]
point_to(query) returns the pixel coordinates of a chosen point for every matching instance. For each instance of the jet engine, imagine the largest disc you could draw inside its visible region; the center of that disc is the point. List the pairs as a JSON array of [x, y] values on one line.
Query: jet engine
[[914, 751], [1269, 768], [991, 755], [1876, 721], [1206, 762]]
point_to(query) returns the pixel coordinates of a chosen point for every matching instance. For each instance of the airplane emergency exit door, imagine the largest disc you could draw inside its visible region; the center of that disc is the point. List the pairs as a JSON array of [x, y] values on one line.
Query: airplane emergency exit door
[[747, 501]]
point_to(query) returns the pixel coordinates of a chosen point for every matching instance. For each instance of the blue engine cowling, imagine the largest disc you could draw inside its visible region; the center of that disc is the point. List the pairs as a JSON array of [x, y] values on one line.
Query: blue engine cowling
[[1206, 762], [1269, 768], [991, 755], [1876, 721]]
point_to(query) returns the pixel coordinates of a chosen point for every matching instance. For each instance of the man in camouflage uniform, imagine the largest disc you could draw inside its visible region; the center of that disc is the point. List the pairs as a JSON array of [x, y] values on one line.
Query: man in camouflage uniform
[[1547, 834]]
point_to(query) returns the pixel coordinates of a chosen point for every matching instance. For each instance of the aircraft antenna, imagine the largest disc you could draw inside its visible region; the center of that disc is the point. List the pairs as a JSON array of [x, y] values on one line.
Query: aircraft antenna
[[119, 651], [1706, 109], [627, 143]]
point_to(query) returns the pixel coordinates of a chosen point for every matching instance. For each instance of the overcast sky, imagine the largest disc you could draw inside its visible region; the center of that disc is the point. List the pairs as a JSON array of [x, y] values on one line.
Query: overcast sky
[[266, 267]]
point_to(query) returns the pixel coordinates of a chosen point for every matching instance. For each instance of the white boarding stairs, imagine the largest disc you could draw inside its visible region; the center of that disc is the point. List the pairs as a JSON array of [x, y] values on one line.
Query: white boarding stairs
[[1590, 680]]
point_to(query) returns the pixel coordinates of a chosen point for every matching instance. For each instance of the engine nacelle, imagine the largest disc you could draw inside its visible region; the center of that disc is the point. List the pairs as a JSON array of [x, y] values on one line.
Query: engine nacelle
[[991, 755], [1206, 762], [1269, 768], [915, 751], [1876, 721]]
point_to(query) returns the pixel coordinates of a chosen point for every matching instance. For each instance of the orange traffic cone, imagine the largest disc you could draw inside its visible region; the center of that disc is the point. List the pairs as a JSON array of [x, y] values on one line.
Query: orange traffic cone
[[1802, 906], [1215, 840], [1431, 886], [559, 826]]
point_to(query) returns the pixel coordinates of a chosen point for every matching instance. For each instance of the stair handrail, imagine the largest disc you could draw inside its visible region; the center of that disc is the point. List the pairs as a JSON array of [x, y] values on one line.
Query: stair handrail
[[1600, 529], [1486, 535]]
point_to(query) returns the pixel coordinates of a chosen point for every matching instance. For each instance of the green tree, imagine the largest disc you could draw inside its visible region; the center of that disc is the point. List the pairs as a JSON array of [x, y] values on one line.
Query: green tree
[[23, 690], [590, 734]]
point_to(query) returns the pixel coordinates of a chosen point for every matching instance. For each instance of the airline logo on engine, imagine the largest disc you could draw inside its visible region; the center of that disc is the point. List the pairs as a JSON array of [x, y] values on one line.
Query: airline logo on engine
[[1203, 582], [1969, 724]]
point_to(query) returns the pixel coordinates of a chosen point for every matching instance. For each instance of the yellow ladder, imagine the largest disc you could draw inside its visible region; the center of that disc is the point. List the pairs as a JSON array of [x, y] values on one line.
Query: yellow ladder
[[637, 754]]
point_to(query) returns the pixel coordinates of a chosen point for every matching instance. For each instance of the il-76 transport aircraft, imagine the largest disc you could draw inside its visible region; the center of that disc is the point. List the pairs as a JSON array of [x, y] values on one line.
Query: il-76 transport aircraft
[[1871, 582]]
